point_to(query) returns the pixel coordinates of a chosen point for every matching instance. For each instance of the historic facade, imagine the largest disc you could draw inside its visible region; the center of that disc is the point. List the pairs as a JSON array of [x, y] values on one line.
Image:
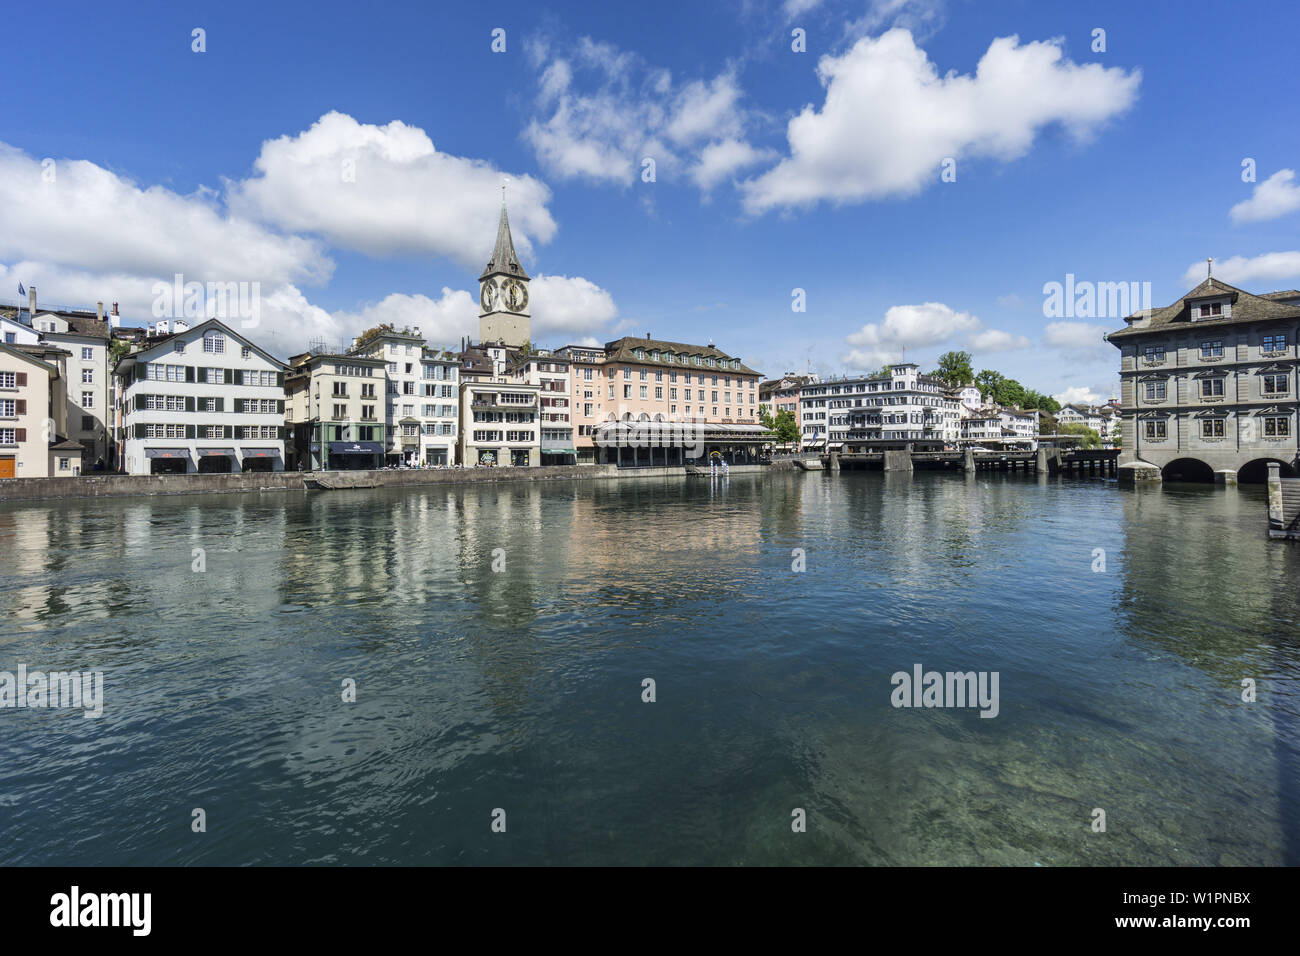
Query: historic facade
[[203, 400], [1208, 385], [334, 412], [33, 414]]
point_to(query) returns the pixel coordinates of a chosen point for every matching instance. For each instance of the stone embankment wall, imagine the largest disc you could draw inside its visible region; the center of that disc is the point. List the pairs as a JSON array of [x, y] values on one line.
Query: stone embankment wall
[[114, 486]]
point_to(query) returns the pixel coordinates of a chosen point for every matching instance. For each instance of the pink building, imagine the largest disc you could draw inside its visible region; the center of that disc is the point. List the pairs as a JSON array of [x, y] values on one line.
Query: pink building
[[648, 379]]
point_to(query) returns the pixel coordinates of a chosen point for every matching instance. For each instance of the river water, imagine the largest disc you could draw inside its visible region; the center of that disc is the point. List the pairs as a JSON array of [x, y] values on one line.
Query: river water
[[500, 636]]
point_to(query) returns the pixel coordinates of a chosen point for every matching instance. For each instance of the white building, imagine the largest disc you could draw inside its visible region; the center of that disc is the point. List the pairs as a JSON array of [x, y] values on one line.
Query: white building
[[1019, 427], [439, 406], [203, 400], [550, 373]]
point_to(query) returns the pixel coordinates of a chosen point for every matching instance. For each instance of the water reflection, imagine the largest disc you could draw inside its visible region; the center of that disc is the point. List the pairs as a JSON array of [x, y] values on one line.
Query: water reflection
[[498, 637]]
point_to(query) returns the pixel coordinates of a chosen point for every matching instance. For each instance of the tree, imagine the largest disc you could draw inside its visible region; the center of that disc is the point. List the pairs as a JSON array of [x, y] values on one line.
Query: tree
[[1090, 437], [988, 383], [1044, 403], [783, 423], [955, 369], [1011, 392], [883, 372], [371, 333]]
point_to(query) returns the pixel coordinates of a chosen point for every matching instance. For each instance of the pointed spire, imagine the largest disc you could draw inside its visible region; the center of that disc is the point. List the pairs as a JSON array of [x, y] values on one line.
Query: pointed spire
[[503, 258]]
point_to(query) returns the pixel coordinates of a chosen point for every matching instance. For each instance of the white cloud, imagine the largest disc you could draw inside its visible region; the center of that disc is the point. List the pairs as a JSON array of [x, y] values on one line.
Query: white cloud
[[441, 321], [995, 340], [90, 219], [1274, 197], [1080, 395], [921, 17], [794, 8], [562, 306], [916, 118], [92, 235], [913, 325], [906, 327], [1079, 340], [920, 327], [604, 111], [404, 195], [1244, 270], [717, 161]]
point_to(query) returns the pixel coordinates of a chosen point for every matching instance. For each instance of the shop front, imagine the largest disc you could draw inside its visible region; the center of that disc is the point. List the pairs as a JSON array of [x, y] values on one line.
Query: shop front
[[631, 444], [168, 461], [216, 461], [260, 459], [354, 456]]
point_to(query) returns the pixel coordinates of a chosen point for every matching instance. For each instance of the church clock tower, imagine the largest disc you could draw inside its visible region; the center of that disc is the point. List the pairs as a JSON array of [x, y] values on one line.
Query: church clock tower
[[503, 292]]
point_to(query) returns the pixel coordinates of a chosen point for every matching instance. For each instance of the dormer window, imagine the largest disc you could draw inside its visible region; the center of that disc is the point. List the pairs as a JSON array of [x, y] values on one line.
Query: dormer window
[[1210, 310]]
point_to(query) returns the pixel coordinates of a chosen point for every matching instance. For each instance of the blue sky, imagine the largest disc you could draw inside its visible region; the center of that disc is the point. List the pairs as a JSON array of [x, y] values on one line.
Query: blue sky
[[775, 170]]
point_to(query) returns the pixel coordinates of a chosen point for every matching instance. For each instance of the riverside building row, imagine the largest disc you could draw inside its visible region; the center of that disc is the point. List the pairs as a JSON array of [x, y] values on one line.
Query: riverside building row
[[902, 408], [206, 398]]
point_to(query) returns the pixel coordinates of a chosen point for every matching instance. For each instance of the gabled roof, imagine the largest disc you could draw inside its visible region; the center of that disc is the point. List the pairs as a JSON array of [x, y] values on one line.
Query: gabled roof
[[157, 343], [503, 258], [78, 325], [1246, 307], [22, 353]]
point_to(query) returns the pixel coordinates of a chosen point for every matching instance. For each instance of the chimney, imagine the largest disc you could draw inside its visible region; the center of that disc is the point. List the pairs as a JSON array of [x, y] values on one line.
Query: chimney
[[115, 308], [647, 336], [31, 301], [99, 311]]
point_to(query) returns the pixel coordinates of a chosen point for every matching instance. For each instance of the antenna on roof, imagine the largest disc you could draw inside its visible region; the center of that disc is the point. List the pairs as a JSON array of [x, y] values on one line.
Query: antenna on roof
[[1209, 267]]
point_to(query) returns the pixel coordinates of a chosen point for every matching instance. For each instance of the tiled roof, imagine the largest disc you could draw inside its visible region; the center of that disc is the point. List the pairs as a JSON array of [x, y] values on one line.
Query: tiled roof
[[621, 350], [1246, 307]]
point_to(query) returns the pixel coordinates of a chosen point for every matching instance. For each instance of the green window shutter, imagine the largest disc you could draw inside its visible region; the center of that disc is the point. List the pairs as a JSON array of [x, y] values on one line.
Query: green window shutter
[[189, 373], [279, 407], [189, 403], [189, 431], [221, 404], [139, 431], [282, 430], [139, 402], [279, 379], [239, 432], [230, 376]]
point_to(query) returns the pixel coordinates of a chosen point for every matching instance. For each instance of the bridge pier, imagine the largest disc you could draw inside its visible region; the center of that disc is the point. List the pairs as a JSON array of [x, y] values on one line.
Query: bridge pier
[[900, 460], [834, 464], [1225, 476]]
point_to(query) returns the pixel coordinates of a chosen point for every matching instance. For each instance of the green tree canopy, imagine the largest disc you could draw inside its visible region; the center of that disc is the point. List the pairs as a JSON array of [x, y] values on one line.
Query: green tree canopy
[[1090, 437], [783, 423], [955, 369]]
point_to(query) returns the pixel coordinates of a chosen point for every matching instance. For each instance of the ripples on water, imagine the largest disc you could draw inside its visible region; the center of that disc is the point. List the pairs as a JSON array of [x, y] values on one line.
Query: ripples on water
[[522, 689]]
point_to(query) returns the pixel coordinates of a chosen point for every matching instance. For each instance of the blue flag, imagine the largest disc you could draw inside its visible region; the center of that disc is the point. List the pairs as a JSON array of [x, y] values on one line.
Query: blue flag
[[21, 290]]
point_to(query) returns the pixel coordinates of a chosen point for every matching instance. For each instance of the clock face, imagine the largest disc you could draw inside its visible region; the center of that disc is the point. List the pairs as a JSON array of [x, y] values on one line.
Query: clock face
[[514, 295], [489, 295]]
